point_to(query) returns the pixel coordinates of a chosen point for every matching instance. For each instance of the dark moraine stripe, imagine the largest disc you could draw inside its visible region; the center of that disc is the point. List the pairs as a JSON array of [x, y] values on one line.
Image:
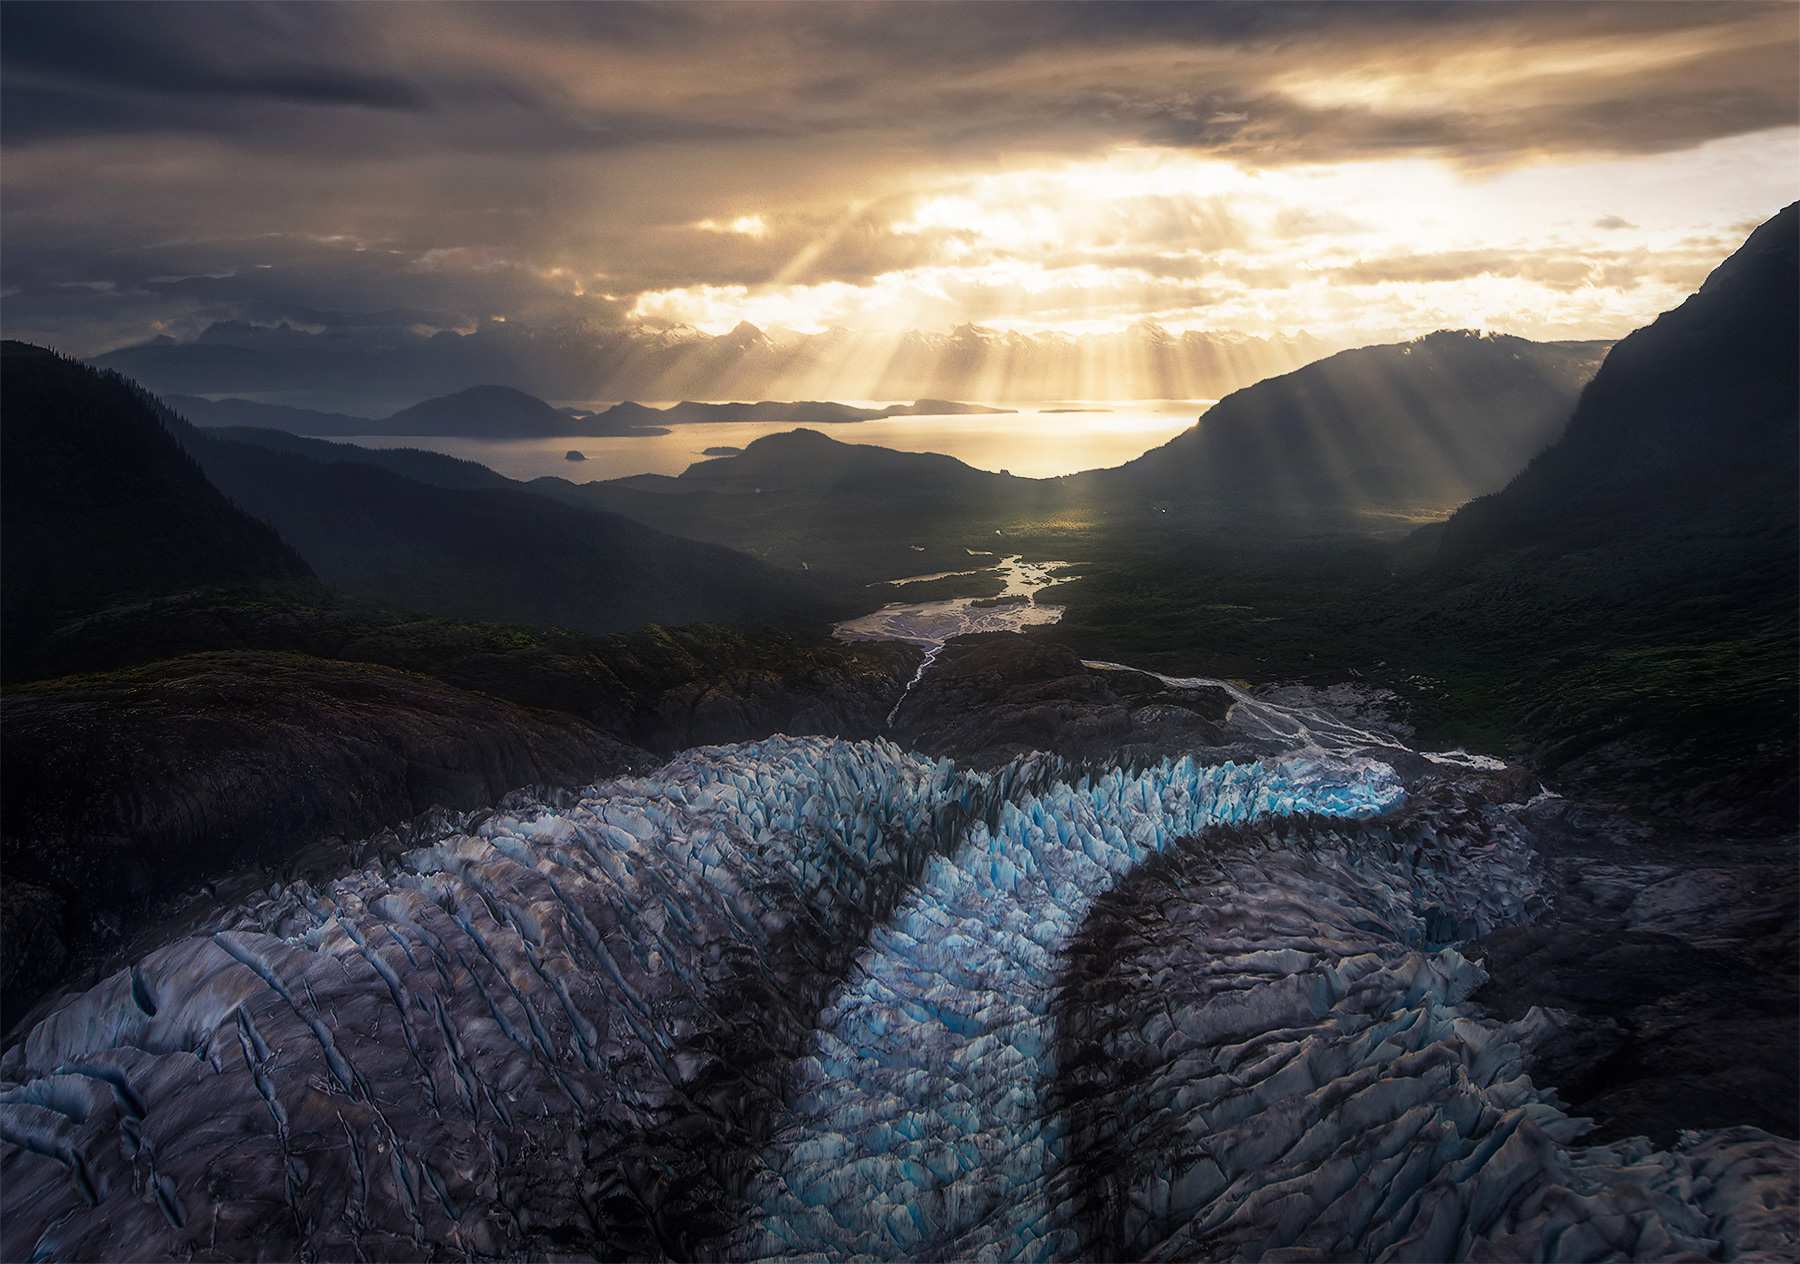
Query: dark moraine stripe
[[1265, 1051], [563, 1033]]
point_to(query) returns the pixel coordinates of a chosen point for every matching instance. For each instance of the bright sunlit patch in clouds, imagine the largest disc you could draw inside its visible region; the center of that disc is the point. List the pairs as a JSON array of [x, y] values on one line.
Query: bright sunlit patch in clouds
[[1427, 80], [747, 225], [1354, 251]]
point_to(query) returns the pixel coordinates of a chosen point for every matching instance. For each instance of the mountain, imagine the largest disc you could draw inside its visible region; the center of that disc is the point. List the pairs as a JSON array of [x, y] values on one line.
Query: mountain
[[1405, 430], [801, 413], [111, 497], [1639, 576], [498, 552], [856, 511], [1693, 414], [363, 358], [486, 412], [1419, 426], [500, 412], [245, 413], [417, 464], [805, 459], [489, 412], [100, 504], [942, 408]]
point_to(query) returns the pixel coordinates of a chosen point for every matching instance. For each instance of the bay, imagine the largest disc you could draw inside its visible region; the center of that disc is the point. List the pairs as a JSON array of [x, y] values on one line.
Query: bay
[[1031, 443]]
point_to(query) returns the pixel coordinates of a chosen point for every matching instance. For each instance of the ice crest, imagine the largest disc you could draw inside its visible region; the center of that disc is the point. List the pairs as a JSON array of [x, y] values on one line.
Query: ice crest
[[807, 997]]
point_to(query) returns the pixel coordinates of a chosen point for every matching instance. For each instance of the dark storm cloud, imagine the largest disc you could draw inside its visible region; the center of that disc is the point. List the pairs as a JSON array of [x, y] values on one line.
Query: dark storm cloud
[[167, 162], [75, 67], [964, 73]]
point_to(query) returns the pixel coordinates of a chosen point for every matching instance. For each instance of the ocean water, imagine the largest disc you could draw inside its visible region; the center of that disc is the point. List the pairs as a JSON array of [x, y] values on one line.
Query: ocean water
[[1032, 443]]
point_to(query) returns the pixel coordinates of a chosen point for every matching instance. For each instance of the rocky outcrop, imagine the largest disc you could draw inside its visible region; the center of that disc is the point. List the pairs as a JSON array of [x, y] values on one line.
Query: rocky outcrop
[[847, 698], [996, 695], [1673, 961], [122, 790]]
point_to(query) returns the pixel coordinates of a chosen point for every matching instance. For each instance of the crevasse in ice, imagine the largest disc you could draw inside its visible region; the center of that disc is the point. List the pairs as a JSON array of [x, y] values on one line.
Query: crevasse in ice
[[811, 997], [924, 1086], [481, 1051], [1265, 1053]]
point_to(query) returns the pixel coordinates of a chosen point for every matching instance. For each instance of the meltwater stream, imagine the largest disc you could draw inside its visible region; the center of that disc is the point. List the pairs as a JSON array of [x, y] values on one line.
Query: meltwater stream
[[813, 998], [932, 623]]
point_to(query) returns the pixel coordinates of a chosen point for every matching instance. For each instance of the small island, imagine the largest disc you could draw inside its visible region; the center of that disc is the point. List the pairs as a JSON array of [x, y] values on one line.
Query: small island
[[573, 455], [722, 450]]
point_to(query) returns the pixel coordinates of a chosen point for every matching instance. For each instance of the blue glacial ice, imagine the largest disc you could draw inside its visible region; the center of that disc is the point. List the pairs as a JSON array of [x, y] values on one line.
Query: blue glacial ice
[[807, 997], [454, 1054], [924, 1089]]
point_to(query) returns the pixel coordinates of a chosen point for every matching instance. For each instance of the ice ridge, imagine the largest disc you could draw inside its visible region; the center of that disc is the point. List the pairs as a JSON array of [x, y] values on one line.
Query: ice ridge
[[1265, 1054], [925, 1127], [814, 998], [564, 1027]]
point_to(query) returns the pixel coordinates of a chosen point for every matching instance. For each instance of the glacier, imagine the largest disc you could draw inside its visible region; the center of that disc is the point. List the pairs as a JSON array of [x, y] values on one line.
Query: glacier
[[925, 1079], [810, 998]]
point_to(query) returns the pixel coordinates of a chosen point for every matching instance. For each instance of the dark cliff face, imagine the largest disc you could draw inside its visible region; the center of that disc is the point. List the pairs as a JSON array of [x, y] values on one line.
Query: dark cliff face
[[124, 790], [100, 503], [1641, 572], [1695, 415], [1427, 423]]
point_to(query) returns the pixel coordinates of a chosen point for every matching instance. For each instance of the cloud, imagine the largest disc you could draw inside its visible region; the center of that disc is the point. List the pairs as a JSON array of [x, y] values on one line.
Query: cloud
[[572, 163], [134, 67]]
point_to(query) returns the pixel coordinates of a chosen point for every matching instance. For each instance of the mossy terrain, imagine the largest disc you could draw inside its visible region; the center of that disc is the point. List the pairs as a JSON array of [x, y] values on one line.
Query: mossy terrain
[[614, 680], [123, 790], [1653, 666]]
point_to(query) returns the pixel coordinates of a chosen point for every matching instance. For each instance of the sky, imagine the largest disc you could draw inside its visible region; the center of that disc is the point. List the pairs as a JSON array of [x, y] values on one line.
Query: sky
[[1359, 172]]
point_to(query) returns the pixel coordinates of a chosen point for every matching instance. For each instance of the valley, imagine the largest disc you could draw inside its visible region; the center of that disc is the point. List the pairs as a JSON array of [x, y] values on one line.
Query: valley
[[833, 849]]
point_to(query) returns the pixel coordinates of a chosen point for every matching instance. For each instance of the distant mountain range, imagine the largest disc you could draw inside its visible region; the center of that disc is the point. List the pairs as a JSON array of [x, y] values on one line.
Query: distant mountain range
[[500, 412], [1402, 432], [266, 354], [803, 413], [483, 412]]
